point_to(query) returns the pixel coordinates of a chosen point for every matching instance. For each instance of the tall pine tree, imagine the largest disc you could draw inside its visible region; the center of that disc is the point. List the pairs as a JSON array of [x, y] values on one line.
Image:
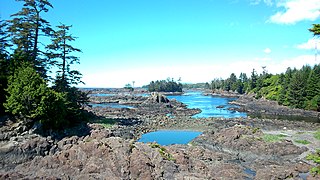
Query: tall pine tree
[[61, 51], [296, 91], [4, 62], [26, 27]]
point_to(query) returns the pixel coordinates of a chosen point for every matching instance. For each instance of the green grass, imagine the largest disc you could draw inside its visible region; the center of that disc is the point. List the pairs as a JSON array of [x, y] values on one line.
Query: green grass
[[315, 157], [273, 137], [317, 134], [305, 142], [105, 122], [163, 151], [154, 145]]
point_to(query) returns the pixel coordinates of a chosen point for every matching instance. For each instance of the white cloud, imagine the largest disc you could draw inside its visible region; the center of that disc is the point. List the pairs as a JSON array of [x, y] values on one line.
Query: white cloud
[[296, 10], [267, 50], [311, 44]]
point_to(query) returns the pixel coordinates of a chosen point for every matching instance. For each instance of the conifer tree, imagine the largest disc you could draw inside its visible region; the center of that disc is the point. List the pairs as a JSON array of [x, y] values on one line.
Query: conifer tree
[[25, 28], [296, 91], [315, 29], [60, 50], [4, 62]]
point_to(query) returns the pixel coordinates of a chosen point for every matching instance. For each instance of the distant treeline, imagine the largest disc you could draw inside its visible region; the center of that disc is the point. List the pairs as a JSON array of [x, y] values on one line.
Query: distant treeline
[[294, 88], [197, 85], [169, 85]]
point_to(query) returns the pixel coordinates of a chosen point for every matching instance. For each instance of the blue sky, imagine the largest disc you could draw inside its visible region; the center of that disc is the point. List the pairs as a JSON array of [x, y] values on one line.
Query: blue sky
[[198, 40]]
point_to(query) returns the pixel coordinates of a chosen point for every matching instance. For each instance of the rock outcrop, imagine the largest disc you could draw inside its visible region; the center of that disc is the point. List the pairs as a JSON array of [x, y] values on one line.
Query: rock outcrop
[[158, 98]]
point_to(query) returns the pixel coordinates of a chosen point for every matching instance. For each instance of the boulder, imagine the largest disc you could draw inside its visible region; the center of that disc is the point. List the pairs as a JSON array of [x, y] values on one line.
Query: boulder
[[158, 98]]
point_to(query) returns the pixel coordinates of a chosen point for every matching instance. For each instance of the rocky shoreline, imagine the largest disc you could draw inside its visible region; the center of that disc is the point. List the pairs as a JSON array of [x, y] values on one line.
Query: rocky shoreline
[[262, 107], [227, 148]]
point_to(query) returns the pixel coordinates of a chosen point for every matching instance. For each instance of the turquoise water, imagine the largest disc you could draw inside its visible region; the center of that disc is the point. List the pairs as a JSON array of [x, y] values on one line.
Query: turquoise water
[[168, 137], [112, 105], [208, 105]]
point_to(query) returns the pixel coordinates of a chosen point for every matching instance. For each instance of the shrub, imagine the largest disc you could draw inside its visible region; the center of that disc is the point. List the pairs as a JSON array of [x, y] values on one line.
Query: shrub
[[53, 110], [25, 91], [31, 100]]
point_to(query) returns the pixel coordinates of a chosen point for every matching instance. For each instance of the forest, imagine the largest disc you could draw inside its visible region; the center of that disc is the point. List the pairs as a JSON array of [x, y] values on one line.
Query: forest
[[26, 62], [297, 88], [169, 85]]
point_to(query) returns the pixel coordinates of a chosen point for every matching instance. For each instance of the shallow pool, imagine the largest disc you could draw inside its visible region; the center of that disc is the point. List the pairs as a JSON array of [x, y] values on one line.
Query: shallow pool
[[168, 137]]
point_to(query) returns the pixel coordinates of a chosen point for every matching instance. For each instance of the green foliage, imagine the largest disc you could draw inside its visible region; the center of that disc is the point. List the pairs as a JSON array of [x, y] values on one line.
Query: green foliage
[[52, 110], [305, 142], [294, 88], [168, 85], [315, 29], [25, 90], [315, 157], [165, 154], [197, 85], [60, 53], [155, 145], [317, 134], [129, 87], [232, 83], [30, 98], [4, 64], [255, 130], [26, 27], [106, 122], [273, 137]]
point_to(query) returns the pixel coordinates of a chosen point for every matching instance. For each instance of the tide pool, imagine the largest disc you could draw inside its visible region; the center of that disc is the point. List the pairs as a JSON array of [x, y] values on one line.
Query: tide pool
[[168, 137]]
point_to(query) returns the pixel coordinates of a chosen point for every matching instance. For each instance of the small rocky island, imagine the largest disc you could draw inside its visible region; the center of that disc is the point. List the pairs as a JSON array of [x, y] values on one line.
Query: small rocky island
[[106, 147]]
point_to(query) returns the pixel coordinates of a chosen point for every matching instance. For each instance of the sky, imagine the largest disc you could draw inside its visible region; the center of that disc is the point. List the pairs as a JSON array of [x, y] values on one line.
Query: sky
[[196, 40]]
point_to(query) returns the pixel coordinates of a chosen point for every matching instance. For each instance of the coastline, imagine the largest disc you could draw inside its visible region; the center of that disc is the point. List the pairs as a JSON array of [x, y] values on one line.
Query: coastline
[[223, 141]]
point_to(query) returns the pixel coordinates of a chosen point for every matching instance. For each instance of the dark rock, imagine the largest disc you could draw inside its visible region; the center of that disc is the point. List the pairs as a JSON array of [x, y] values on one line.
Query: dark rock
[[158, 98], [220, 106]]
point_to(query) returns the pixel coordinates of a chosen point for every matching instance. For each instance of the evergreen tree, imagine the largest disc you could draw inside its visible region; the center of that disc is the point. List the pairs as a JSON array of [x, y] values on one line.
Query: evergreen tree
[[315, 29], [253, 80], [61, 51], [26, 27], [233, 82], [4, 63], [31, 100], [283, 91], [296, 91], [25, 89], [313, 85]]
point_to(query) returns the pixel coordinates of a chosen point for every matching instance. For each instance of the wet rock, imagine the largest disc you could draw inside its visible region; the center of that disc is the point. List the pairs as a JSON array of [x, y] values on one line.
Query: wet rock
[[220, 106]]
